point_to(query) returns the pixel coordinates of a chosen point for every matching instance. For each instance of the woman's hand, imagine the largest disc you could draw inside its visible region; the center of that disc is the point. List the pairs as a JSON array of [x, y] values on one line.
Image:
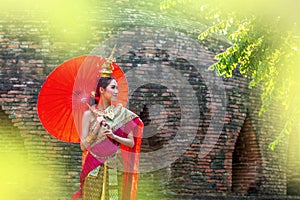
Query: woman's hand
[[101, 122], [126, 141], [109, 133]]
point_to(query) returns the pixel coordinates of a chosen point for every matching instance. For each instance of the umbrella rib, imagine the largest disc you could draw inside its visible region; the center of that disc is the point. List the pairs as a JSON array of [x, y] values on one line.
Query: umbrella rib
[[70, 135], [52, 116], [65, 123]]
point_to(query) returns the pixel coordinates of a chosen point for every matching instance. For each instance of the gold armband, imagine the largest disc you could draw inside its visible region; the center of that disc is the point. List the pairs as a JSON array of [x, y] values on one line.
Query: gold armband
[[91, 138]]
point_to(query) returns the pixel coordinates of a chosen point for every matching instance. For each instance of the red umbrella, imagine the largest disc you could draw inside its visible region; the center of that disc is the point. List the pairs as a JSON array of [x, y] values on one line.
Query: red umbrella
[[60, 102]]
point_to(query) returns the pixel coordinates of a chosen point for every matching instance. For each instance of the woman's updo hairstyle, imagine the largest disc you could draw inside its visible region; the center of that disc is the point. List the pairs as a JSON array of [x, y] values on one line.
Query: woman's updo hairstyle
[[103, 82]]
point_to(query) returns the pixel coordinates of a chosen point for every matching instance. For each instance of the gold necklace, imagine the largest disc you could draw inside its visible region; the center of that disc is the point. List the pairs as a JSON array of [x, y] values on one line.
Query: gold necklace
[[104, 113]]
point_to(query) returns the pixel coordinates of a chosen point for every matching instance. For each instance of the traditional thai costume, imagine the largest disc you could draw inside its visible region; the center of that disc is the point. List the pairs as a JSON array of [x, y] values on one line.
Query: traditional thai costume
[[104, 151]]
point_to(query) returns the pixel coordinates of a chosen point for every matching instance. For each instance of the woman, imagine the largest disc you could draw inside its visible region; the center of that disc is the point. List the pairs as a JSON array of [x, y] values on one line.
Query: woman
[[105, 127]]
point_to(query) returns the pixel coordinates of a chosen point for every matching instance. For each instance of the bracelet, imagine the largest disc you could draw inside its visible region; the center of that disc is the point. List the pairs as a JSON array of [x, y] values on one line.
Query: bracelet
[[90, 138]]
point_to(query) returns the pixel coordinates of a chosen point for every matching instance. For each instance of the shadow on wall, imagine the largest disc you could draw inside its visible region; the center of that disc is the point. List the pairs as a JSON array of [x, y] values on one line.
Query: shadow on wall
[[246, 161]]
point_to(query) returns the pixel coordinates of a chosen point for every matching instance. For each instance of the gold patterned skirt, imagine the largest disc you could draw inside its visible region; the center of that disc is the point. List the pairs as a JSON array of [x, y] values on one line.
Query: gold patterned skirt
[[95, 186]]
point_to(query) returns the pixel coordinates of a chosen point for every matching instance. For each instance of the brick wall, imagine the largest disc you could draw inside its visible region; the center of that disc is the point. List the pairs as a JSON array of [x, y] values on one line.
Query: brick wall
[[293, 163], [153, 44]]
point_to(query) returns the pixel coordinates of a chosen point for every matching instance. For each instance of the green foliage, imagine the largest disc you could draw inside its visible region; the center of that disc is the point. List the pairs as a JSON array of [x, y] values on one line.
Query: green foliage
[[260, 47]]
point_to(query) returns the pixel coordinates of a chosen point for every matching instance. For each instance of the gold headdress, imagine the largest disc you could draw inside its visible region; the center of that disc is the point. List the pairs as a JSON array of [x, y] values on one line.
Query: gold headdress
[[107, 67], [105, 71]]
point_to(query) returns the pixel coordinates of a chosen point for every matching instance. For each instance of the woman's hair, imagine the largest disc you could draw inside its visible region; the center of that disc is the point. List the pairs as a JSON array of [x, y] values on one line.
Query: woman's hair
[[103, 82]]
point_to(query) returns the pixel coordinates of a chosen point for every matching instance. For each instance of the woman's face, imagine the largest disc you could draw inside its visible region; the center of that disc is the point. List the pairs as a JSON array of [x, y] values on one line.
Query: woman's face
[[111, 91]]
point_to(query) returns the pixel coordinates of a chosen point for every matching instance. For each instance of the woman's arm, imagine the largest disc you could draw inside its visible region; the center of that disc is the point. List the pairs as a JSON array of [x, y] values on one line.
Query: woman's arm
[[85, 130], [126, 141], [89, 134], [90, 130]]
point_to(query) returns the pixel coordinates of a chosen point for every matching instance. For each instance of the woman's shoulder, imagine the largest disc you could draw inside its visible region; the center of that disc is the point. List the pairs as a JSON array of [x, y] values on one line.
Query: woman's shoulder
[[117, 108], [87, 113], [121, 109]]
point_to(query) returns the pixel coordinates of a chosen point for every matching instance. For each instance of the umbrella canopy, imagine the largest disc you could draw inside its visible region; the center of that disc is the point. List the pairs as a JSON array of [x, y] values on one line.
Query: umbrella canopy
[[61, 99]]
